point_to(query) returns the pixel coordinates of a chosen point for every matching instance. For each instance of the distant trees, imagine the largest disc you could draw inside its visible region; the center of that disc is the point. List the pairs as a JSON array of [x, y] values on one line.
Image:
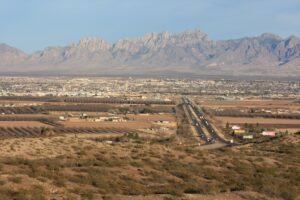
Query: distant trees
[[227, 128], [20, 110], [46, 131], [250, 128], [250, 113]]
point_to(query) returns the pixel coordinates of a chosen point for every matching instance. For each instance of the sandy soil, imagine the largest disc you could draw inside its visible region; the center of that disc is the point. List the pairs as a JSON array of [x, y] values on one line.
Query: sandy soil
[[259, 120], [133, 125], [22, 123], [153, 117], [251, 103]]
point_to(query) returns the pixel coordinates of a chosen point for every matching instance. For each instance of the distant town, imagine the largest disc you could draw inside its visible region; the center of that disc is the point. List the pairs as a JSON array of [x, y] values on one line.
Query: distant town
[[146, 88]]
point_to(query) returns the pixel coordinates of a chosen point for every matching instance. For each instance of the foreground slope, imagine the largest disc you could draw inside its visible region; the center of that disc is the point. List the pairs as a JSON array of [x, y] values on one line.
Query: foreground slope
[[88, 167]]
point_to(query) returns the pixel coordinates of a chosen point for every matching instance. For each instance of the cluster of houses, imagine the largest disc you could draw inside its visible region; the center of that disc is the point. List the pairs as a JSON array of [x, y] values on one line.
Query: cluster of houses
[[243, 134], [84, 116], [109, 118]]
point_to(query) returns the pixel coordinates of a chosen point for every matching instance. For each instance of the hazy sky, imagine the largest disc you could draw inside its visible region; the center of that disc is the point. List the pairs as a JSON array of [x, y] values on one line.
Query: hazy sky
[[34, 24]]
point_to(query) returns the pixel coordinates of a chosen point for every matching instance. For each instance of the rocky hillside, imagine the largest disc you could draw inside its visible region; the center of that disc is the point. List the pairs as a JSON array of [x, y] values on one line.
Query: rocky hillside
[[10, 55], [191, 51]]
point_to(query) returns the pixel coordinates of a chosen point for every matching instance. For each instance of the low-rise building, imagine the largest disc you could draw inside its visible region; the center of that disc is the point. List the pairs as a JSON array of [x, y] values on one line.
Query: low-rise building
[[248, 137], [269, 133], [235, 127], [239, 132]]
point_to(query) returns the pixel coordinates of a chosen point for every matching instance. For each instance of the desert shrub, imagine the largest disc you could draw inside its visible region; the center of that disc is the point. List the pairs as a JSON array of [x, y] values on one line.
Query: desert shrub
[[105, 197], [170, 189], [84, 193], [79, 178], [6, 193], [38, 193], [15, 179], [189, 150], [185, 175], [59, 182], [35, 193]]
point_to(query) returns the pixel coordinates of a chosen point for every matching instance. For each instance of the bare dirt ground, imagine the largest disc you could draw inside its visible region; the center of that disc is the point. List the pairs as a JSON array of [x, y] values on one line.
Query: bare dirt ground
[[133, 125], [60, 113], [242, 120], [22, 124], [251, 104], [152, 117], [20, 103]]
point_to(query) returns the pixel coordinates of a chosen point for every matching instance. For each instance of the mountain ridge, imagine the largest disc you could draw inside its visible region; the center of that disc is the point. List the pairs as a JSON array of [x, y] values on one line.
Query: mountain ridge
[[190, 51]]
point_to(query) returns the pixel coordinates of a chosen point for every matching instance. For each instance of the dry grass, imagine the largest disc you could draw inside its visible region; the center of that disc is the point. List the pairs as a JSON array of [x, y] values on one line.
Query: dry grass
[[44, 147], [82, 167]]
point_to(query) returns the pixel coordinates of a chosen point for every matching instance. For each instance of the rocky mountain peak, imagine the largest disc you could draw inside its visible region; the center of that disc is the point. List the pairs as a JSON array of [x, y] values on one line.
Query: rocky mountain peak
[[291, 42], [156, 36], [191, 37], [10, 55], [154, 41], [194, 34], [270, 36], [148, 41], [4, 48], [92, 44]]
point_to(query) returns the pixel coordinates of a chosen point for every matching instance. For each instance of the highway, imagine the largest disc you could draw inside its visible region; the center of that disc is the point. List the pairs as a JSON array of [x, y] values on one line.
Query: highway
[[193, 120], [204, 129]]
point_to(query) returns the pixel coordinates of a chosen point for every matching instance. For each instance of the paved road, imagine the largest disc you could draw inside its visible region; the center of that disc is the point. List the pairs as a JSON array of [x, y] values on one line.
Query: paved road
[[215, 145], [194, 113], [193, 120]]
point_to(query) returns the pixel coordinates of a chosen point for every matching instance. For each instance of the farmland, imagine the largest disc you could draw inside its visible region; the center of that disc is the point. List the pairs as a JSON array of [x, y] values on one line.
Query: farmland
[[82, 115], [279, 115], [251, 103], [266, 121], [22, 123]]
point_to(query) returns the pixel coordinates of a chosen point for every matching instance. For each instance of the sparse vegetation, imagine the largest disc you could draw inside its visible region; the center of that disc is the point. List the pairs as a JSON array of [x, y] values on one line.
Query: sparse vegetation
[[128, 168]]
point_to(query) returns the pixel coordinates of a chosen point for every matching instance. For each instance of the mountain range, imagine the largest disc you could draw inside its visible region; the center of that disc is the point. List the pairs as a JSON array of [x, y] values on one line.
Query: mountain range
[[189, 52]]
